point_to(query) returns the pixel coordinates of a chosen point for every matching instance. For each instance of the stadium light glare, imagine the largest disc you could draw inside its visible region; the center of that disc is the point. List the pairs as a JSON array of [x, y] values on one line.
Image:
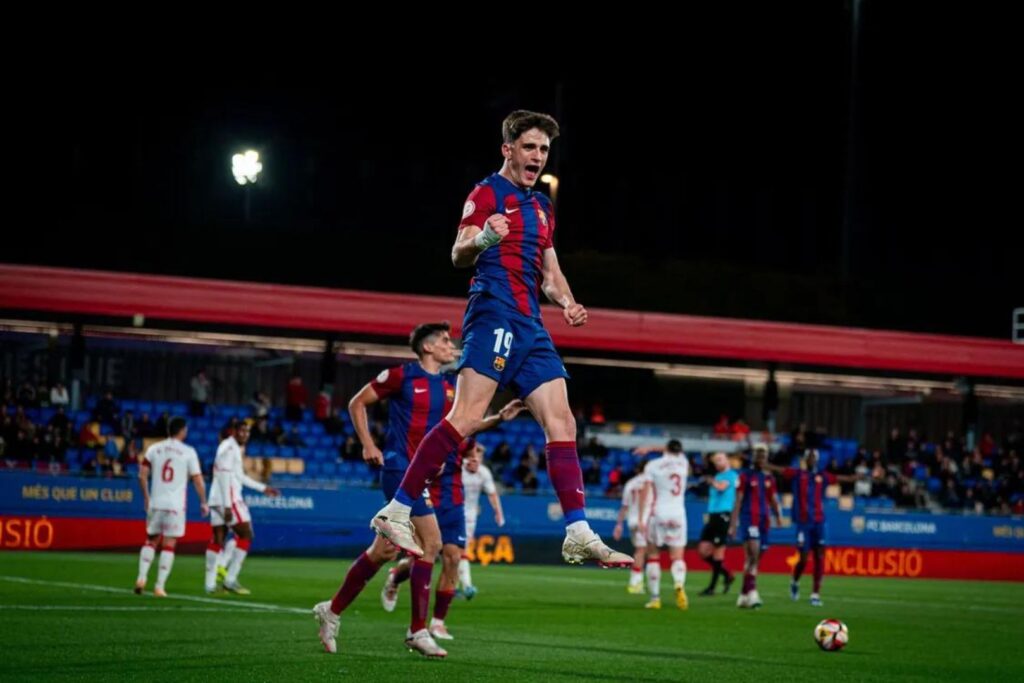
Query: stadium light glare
[[246, 167]]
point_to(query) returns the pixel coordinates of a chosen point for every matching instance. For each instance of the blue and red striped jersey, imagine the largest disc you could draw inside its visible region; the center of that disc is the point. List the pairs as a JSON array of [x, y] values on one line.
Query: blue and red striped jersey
[[511, 271], [808, 494], [418, 401], [758, 488]]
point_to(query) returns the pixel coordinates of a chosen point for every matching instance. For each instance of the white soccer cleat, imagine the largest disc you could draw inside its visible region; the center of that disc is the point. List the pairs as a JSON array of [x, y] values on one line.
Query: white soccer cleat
[[394, 525], [424, 643], [159, 592], [754, 599], [389, 593], [576, 549], [816, 600], [743, 601], [439, 631], [237, 588], [328, 621]]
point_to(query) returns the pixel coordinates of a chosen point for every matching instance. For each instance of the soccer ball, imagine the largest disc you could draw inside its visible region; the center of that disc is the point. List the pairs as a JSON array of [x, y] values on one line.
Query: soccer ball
[[831, 635]]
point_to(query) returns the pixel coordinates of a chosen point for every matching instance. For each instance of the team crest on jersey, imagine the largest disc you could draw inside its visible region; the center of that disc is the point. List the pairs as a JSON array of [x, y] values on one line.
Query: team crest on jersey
[[468, 209], [543, 217], [449, 393], [499, 363]]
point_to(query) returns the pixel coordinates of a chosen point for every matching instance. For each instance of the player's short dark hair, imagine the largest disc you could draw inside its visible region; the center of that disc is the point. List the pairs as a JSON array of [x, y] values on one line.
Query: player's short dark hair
[[675, 446], [521, 120], [175, 425], [424, 332]]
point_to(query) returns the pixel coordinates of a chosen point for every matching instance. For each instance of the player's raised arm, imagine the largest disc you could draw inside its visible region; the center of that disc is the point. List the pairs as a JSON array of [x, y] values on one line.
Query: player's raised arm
[[482, 227]]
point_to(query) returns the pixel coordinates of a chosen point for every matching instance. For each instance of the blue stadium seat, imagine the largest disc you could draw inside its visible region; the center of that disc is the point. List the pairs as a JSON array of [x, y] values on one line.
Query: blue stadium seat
[[286, 451], [313, 469], [329, 469]]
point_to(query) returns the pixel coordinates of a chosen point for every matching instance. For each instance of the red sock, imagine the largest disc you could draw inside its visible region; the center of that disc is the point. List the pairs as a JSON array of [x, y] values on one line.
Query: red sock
[[442, 600], [361, 571], [567, 479], [429, 457], [819, 572], [420, 591], [749, 582]]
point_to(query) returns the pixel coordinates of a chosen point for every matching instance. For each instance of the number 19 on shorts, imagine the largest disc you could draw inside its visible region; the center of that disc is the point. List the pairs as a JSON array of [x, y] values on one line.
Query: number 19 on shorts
[[502, 339]]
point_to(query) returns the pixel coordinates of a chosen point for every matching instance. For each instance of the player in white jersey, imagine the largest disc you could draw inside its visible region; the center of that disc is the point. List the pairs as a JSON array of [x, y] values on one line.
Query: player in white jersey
[[664, 520], [170, 463], [630, 512], [476, 478], [228, 509]]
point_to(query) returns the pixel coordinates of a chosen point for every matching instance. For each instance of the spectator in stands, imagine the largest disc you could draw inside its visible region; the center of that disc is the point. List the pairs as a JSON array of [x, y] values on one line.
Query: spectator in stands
[[161, 424], [20, 449], [322, 406], [261, 431], [597, 414], [260, 404], [24, 424], [131, 453], [526, 472], [60, 422], [740, 430], [106, 410], [896, 447], [594, 449], [614, 489], [501, 457], [296, 398], [334, 424], [57, 445], [987, 445], [200, 386], [145, 429], [351, 450], [722, 427], [128, 428], [89, 436], [950, 498], [59, 395], [27, 396]]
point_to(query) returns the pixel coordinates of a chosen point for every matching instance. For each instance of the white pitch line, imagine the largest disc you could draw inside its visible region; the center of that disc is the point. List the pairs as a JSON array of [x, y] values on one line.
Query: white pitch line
[[171, 596], [112, 608]]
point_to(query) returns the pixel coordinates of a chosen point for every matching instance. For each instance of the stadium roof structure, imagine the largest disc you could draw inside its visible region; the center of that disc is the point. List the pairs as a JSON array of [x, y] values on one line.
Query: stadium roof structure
[[288, 307]]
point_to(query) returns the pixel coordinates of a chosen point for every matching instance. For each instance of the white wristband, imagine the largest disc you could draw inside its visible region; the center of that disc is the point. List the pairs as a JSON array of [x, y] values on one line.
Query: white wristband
[[486, 238]]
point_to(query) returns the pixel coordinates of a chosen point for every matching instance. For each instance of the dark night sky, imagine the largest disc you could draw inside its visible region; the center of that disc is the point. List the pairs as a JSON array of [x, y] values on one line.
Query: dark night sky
[[706, 178]]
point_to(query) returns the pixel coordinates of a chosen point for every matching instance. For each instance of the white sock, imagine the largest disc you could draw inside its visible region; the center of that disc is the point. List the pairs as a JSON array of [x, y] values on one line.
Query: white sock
[[211, 569], [464, 577], [436, 622], [227, 552], [636, 575], [235, 566], [654, 578], [679, 572], [164, 568], [145, 559], [578, 528], [398, 507]]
